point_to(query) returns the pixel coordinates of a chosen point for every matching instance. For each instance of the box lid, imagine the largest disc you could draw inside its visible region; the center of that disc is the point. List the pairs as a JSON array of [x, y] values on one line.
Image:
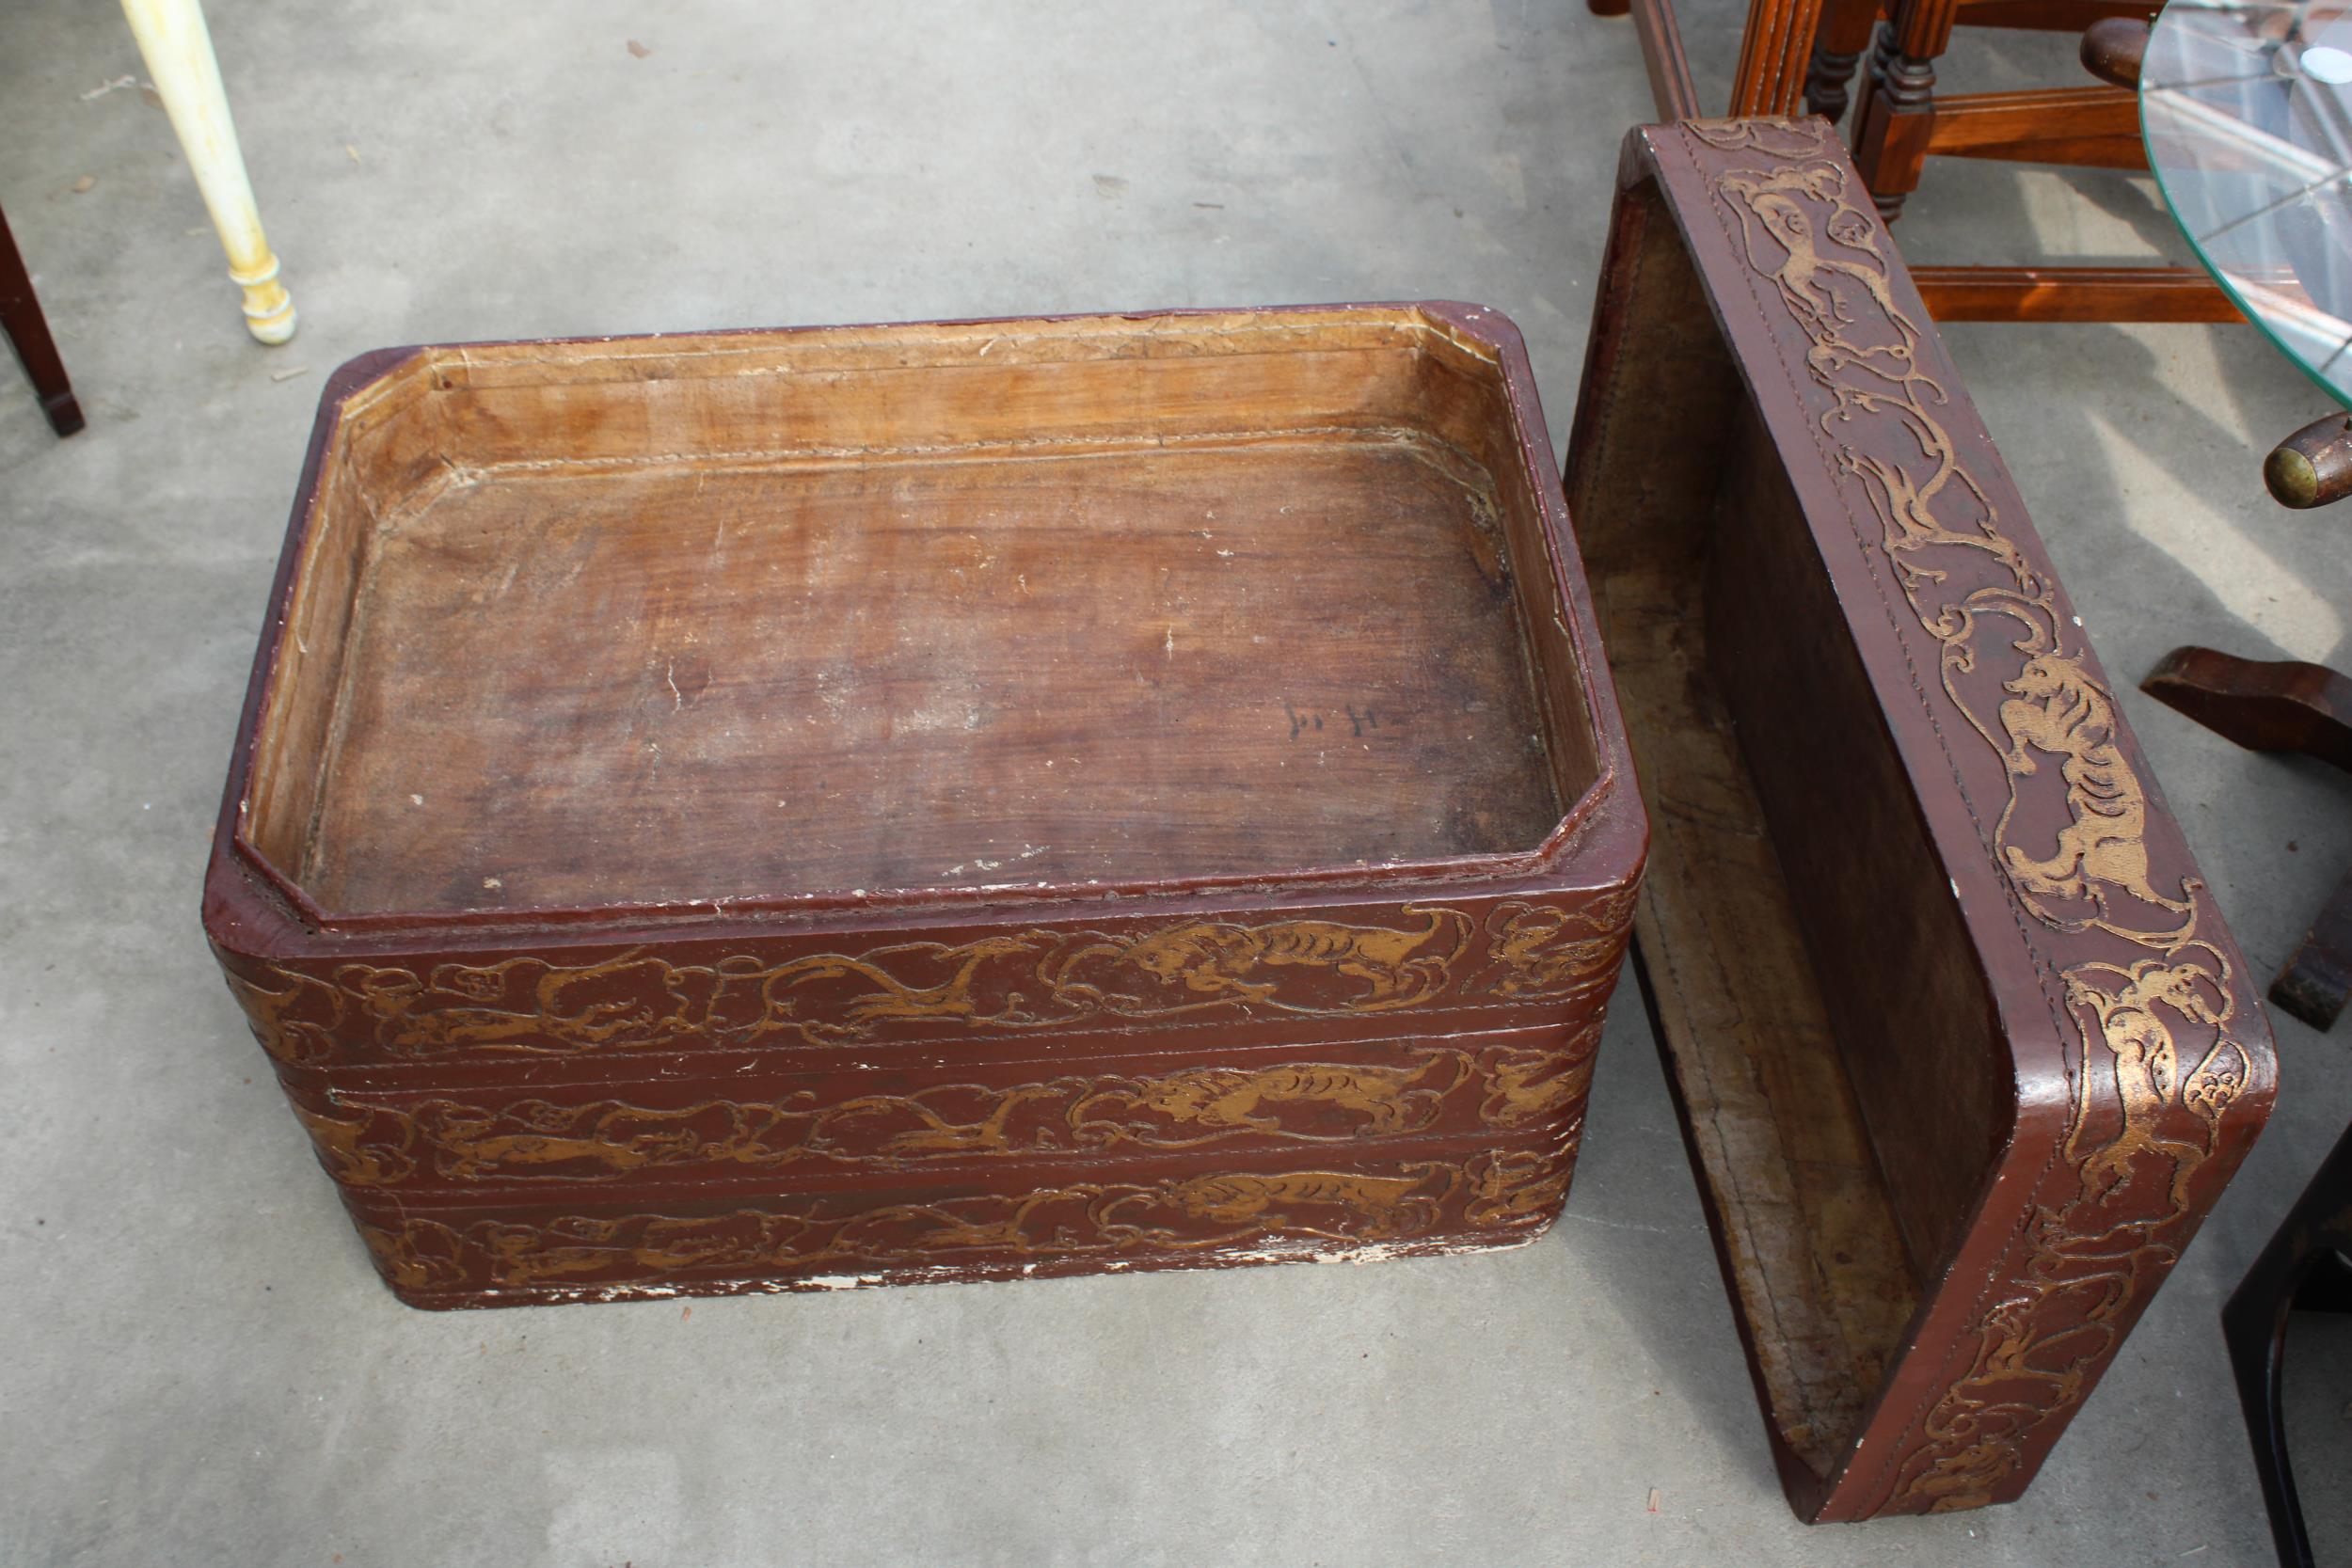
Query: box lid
[[1962, 1049]]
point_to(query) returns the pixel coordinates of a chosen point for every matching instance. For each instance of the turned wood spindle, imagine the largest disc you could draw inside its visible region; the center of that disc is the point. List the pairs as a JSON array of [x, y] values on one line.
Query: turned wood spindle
[[178, 49], [1840, 39], [1897, 115]]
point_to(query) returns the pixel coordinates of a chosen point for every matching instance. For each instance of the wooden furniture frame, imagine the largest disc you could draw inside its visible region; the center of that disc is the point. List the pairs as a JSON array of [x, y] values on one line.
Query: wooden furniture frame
[[1962, 1048], [28, 334], [2305, 1267], [2284, 705], [177, 46], [178, 50], [1802, 53]]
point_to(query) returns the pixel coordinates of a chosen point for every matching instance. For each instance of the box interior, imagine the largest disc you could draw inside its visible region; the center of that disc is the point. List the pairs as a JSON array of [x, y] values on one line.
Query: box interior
[[858, 609], [1829, 1032]]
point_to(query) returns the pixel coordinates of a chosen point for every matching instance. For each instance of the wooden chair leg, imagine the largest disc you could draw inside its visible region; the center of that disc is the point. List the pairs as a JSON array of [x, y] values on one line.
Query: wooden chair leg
[[1774, 49], [1770, 78], [1839, 42], [1898, 115], [2303, 1268], [2315, 980], [28, 334], [178, 49], [1662, 52], [2282, 705]]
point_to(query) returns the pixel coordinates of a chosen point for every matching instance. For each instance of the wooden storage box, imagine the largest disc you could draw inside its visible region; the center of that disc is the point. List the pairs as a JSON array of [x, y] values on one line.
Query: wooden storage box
[[872, 804], [1962, 1048]]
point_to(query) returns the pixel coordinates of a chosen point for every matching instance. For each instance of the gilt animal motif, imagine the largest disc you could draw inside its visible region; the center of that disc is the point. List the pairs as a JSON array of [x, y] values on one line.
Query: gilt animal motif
[[346, 1156], [623, 1003], [1234, 1100], [955, 997], [2156, 1098], [472, 1142], [1235, 963], [275, 1014], [1383, 1205], [2057, 710], [1546, 951], [940, 1134]]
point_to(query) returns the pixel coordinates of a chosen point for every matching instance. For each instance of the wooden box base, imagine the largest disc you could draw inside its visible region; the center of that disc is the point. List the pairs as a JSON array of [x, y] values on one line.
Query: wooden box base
[[963, 800], [1142, 1214]]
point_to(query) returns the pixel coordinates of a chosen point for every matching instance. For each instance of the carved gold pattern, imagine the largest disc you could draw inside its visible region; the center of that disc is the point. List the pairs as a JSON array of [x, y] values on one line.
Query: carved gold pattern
[[1491, 1199], [1209, 1104], [373, 1141], [1031, 979], [1518, 952], [1531, 1086], [2155, 1067], [1525, 1187], [1552, 952]]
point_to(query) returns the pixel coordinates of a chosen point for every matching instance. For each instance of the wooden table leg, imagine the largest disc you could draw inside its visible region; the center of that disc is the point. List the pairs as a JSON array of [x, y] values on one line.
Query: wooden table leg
[[178, 50], [2285, 705], [1898, 113], [1838, 44], [28, 333]]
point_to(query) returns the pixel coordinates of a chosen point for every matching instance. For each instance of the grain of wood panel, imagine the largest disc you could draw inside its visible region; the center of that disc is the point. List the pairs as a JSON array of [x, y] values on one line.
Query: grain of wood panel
[[2058, 126], [2075, 293], [1800, 1205], [694, 681]]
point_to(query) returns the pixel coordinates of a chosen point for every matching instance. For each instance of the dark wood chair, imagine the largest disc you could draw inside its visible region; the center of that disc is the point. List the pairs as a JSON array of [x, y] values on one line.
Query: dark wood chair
[[1902, 122], [1807, 50], [28, 334], [2305, 1267]]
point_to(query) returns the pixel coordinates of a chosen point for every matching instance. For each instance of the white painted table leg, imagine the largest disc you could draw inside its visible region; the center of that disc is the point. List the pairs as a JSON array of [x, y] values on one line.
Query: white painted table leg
[[178, 49]]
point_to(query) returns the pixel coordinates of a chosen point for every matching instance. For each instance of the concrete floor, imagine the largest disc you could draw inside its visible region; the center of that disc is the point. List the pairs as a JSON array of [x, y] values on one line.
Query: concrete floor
[[201, 1368]]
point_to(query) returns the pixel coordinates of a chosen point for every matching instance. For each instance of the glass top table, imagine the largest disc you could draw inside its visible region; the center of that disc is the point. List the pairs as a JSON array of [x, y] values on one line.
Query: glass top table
[[2247, 109]]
